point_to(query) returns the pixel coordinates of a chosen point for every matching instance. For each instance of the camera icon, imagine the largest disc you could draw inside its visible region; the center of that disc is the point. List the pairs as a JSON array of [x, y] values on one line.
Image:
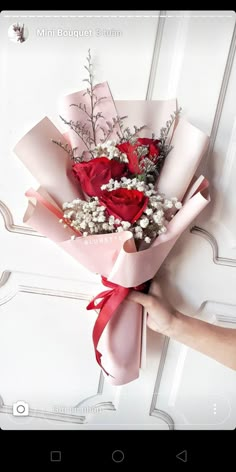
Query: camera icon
[[20, 408]]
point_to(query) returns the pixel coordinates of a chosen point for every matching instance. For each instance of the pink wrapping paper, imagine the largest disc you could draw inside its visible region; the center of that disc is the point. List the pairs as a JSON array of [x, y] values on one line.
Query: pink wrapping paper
[[48, 163], [114, 255]]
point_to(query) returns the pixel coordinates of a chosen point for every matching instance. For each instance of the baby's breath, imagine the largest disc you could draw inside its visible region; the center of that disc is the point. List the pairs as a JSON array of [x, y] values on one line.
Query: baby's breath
[[109, 150], [89, 217]]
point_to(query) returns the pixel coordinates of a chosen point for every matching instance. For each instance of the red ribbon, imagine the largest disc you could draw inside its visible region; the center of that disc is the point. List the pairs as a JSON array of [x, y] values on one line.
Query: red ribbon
[[110, 301]]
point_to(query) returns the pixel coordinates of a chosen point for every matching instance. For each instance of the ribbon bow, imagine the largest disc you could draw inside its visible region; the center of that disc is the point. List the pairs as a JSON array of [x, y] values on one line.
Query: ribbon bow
[[110, 301]]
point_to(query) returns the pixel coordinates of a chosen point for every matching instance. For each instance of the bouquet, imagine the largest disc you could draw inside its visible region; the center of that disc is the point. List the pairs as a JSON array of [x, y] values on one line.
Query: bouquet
[[116, 191]]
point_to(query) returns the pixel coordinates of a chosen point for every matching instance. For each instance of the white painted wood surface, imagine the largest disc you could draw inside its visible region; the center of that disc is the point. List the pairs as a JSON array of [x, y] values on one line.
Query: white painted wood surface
[[46, 353]]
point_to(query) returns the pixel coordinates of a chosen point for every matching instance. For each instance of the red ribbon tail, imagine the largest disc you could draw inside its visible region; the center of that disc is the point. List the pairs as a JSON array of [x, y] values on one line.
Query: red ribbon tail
[[110, 300], [98, 356]]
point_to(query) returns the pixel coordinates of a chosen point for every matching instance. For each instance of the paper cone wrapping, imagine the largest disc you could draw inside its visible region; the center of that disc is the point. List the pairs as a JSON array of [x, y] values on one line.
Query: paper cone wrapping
[[115, 255]]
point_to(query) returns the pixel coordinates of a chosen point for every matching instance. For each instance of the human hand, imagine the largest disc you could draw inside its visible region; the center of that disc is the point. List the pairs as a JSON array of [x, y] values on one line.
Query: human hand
[[161, 314], [214, 341]]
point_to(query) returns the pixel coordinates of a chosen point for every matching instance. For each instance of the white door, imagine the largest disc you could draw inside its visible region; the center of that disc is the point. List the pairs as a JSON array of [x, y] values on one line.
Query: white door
[[46, 352]]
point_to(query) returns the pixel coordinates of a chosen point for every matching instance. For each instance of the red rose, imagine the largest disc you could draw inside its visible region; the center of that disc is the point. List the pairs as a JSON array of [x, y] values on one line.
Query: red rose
[[152, 144], [130, 151], [127, 205], [97, 172]]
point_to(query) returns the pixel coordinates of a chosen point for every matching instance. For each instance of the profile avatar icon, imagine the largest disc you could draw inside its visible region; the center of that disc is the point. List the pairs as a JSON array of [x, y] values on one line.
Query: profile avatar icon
[[18, 33]]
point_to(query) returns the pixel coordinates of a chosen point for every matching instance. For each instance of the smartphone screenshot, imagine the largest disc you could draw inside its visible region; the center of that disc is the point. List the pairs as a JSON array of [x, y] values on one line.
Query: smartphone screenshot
[[117, 221]]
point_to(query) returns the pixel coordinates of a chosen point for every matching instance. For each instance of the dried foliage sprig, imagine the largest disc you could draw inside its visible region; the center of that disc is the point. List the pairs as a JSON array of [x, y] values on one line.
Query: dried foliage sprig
[[67, 148], [88, 129], [118, 120], [93, 118], [164, 145], [128, 135]]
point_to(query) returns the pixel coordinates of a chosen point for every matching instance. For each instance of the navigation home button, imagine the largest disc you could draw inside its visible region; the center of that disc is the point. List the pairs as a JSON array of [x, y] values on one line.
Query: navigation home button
[[118, 456]]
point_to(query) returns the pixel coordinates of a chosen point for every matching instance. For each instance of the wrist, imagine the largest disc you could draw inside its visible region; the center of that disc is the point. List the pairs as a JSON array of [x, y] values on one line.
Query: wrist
[[172, 328]]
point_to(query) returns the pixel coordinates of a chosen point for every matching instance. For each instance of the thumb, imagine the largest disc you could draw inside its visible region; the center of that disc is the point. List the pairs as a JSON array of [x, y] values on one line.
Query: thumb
[[140, 297]]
